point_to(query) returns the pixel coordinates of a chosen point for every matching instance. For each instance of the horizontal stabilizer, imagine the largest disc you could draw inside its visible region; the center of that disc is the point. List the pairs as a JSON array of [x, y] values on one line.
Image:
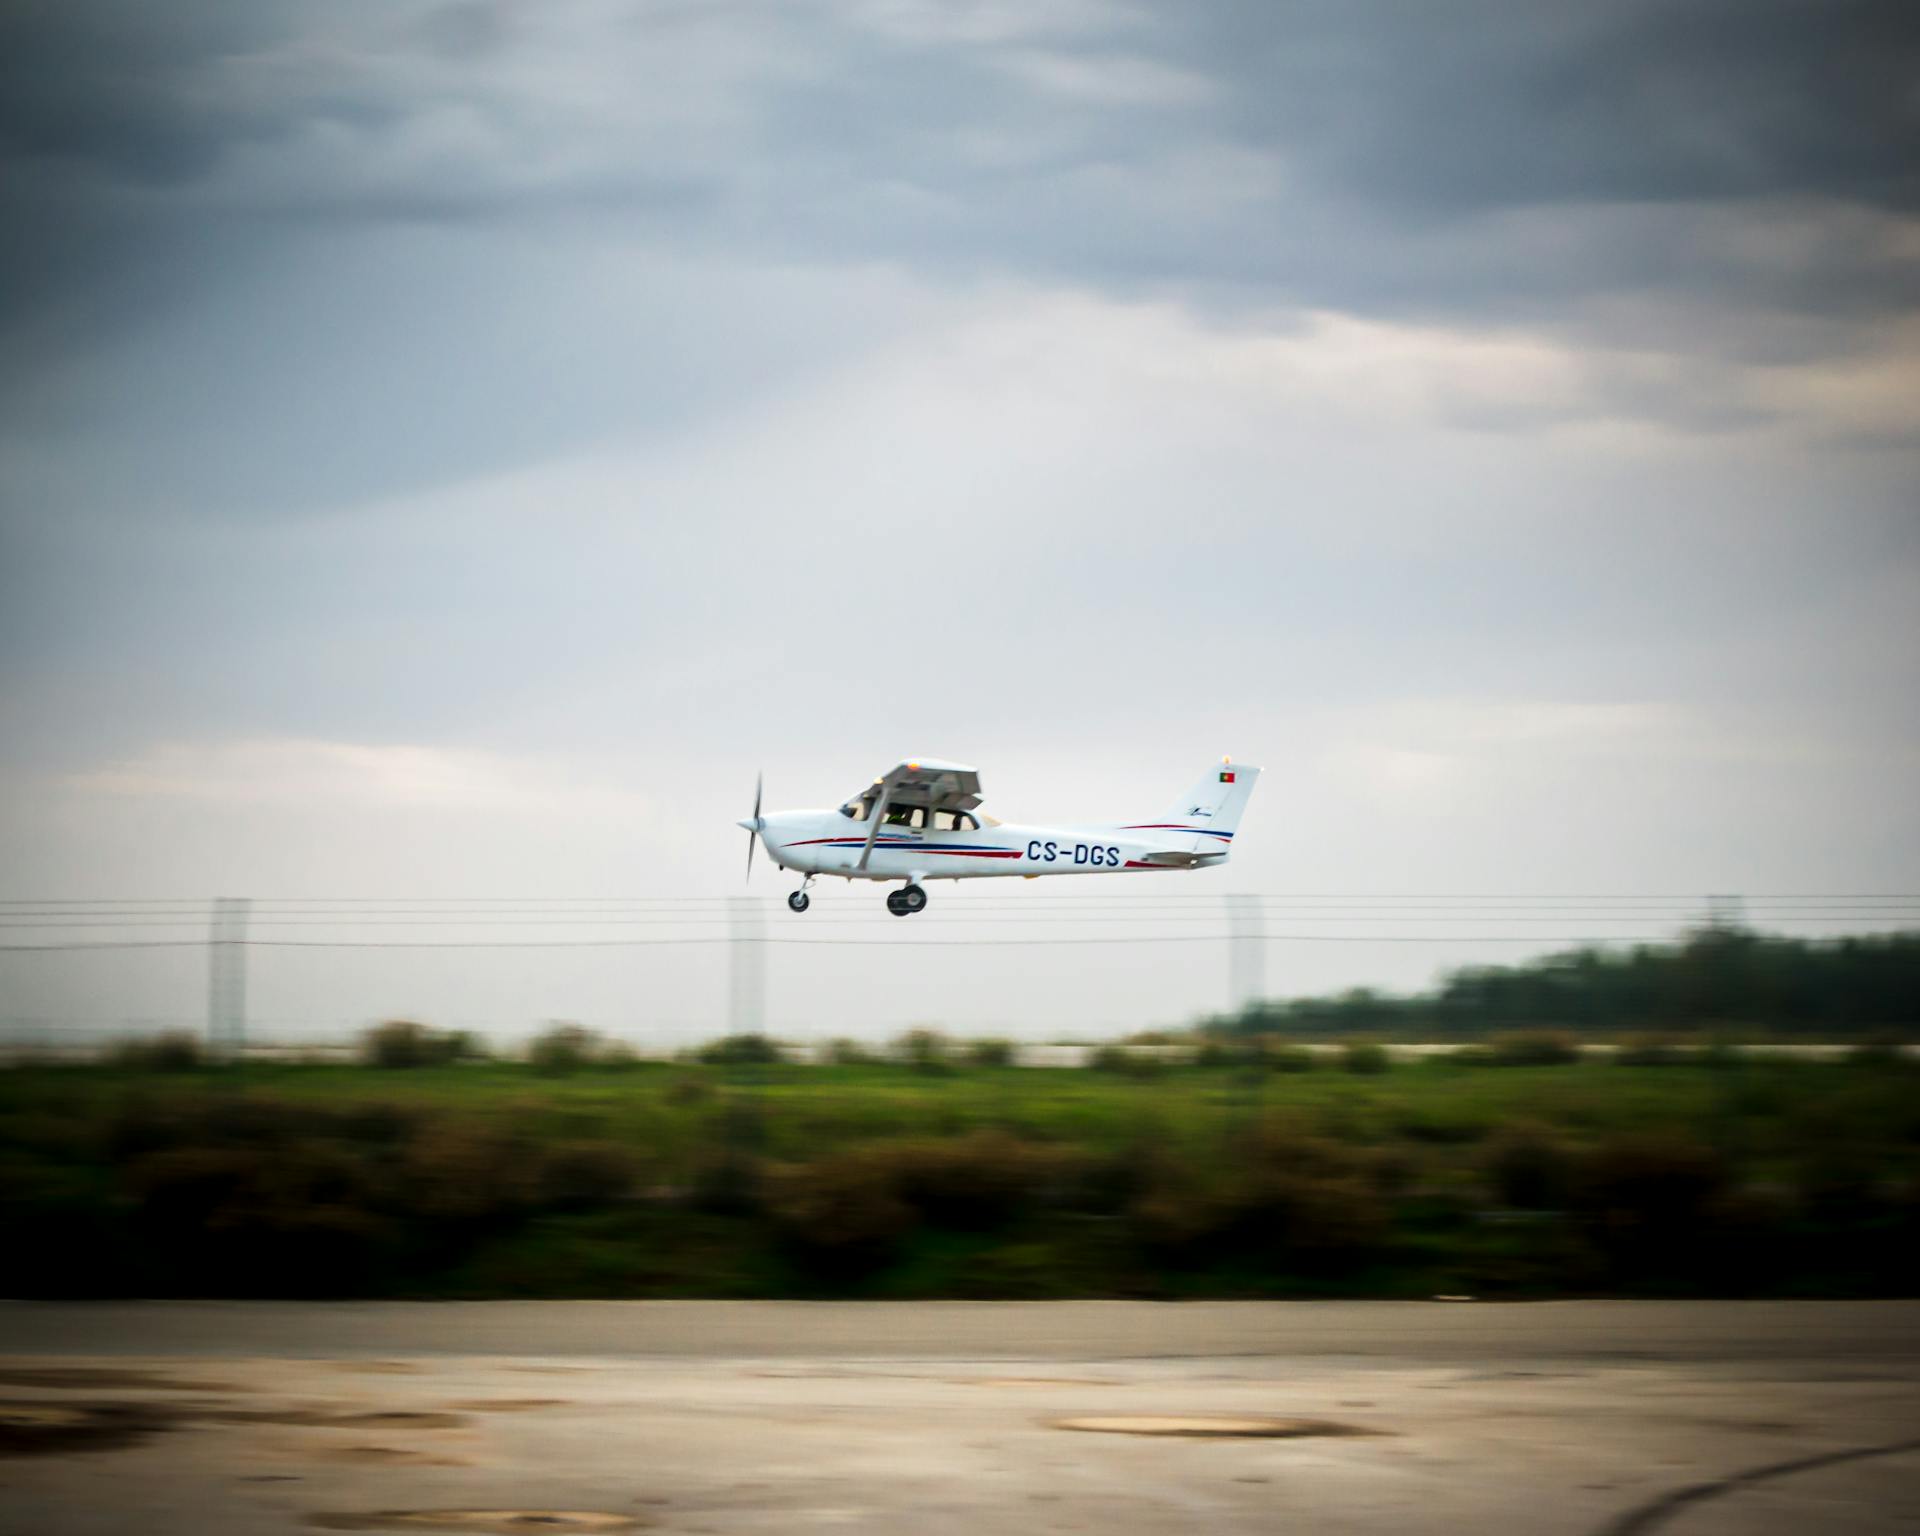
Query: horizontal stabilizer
[[1174, 858]]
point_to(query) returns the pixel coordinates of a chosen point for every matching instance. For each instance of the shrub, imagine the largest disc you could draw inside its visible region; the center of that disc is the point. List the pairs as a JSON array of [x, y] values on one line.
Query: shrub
[[175, 1051], [688, 1089], [458, 1173], [617, 1056], [1877, 1054], [1123, 1062], [990, 1053], [1651, 1051], [1647, 1195], [1532, 1048], [402, 1043], [842, 1052], [225, 1221], [1368, 1057], [587, 1173], [562, 1049], [840, 1216], [925, 1050], [1214, 1051], [1282, 1057], [1310, 1221], [741, 1051], [1293, 1203], [727, 1181], [978, 1180], [1530, 1168]]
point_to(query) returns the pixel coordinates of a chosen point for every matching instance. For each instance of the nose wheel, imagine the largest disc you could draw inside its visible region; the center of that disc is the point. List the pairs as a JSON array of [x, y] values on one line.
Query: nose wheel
[[906, 901], [799, 901]]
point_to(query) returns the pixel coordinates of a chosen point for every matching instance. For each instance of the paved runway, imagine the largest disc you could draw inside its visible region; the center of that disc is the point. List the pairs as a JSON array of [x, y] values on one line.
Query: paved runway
[[1586, 1418]]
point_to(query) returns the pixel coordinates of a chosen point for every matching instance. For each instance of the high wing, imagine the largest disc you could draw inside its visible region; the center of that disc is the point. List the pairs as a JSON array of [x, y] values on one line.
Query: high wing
[[926, 782]]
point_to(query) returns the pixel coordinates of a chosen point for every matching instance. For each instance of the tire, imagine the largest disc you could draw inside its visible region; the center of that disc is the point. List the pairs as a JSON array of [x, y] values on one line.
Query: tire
[[896, 906], [799, 901], [913, 898]]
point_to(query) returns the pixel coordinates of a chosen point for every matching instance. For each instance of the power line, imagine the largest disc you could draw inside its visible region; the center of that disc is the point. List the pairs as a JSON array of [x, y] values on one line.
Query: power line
[[875, 919], [1694, 899], [969, 943]]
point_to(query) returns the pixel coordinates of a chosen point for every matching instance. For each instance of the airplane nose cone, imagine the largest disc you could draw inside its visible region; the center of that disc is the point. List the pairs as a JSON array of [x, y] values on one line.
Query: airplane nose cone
[[751, 824]]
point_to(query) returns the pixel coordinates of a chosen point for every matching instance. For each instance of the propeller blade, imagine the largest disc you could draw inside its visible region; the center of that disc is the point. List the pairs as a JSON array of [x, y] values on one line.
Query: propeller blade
[[753, 832]]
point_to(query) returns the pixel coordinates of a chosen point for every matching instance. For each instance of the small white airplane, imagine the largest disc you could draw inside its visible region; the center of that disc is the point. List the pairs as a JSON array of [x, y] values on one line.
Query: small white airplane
[[918, 822]]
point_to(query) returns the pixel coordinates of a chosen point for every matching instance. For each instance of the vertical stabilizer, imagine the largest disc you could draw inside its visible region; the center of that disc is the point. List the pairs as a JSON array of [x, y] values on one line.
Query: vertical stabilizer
[[1212, 809]]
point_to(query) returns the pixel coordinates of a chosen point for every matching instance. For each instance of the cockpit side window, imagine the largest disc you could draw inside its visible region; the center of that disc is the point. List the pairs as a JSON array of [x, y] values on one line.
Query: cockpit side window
[[857, 810], [954, 821]]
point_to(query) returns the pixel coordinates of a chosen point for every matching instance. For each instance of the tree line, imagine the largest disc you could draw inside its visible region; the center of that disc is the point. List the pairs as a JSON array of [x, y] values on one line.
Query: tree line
[[1717, 978]]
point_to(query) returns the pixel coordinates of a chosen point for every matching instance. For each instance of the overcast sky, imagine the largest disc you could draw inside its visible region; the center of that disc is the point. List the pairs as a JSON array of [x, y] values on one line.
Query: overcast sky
[[448, 449]]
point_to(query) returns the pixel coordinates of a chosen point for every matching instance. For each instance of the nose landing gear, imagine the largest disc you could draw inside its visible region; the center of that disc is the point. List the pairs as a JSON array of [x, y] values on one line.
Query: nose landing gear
[[799, 901], [906, 901]]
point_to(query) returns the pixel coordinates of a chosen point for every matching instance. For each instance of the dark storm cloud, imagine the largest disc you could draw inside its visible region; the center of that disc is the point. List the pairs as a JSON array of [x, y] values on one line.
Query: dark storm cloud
[[1478, 104], [1297, 153]]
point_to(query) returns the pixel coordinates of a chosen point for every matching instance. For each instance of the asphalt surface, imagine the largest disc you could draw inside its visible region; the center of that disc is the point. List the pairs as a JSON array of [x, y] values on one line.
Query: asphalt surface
[[1585, 1418]]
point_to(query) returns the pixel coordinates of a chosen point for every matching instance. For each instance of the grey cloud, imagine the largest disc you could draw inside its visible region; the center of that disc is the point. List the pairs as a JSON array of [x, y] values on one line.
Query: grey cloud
[[1398, 144]]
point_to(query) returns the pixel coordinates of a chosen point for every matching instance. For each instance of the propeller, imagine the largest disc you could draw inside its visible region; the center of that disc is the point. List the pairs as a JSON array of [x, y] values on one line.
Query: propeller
[[753, 827]]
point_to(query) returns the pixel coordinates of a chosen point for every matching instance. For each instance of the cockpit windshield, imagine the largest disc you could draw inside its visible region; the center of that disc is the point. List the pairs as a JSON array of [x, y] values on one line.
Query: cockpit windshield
[[917, 817]]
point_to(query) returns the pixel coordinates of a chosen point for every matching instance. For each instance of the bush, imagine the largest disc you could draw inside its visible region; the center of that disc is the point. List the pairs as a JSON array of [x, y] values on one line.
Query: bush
[[925, 1050], [990, 1053], [1214, 1051], [1294, 1204], [402, 1043], [842, 1052], [1530, 1168], [1123, 1062], [1281, 1057], [978, 1180], [840, 1217], [1878, 1054], [686, 1090], [1647, 1196], [741, 1051], [577, 1174], [230, 1223], [1532, 1048], [1651, 1051], [562, 1049], [459, 1174], [175, 1051], [1368, 1057]]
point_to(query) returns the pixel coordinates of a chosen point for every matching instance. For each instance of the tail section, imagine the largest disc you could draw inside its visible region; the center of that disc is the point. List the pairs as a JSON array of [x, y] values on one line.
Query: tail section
[[1211, 810]]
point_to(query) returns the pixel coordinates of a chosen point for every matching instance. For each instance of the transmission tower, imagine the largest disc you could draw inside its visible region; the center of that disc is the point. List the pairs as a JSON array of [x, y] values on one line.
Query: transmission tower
[[1246, 952], [747, 989], [227, 978]]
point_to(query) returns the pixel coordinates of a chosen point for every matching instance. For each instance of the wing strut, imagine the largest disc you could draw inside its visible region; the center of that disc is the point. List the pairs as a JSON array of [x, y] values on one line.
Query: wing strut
[[879, 817]]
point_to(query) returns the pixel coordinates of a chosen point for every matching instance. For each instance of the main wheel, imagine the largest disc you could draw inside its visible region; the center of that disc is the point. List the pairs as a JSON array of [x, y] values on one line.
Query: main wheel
[[897, 906], [799, 901], [912, 898]]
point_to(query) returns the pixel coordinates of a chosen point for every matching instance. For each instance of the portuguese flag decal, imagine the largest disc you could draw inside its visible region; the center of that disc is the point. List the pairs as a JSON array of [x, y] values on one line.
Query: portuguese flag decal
[[1226, 775]]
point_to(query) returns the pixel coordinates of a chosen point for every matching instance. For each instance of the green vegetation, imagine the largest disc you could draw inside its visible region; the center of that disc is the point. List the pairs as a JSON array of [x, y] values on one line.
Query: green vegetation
[[1764, 984], [942, 1173]]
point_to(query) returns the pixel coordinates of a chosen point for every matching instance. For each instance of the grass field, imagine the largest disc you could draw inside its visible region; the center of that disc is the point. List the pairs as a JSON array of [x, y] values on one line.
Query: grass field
[[489, 1179]]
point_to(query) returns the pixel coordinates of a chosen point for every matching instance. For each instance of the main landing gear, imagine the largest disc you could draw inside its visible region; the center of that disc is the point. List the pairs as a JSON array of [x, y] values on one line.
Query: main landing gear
[[906, 901]]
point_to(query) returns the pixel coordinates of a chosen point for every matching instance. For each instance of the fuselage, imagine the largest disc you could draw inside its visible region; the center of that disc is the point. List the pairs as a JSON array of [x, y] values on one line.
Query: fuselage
[[828, 842]]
